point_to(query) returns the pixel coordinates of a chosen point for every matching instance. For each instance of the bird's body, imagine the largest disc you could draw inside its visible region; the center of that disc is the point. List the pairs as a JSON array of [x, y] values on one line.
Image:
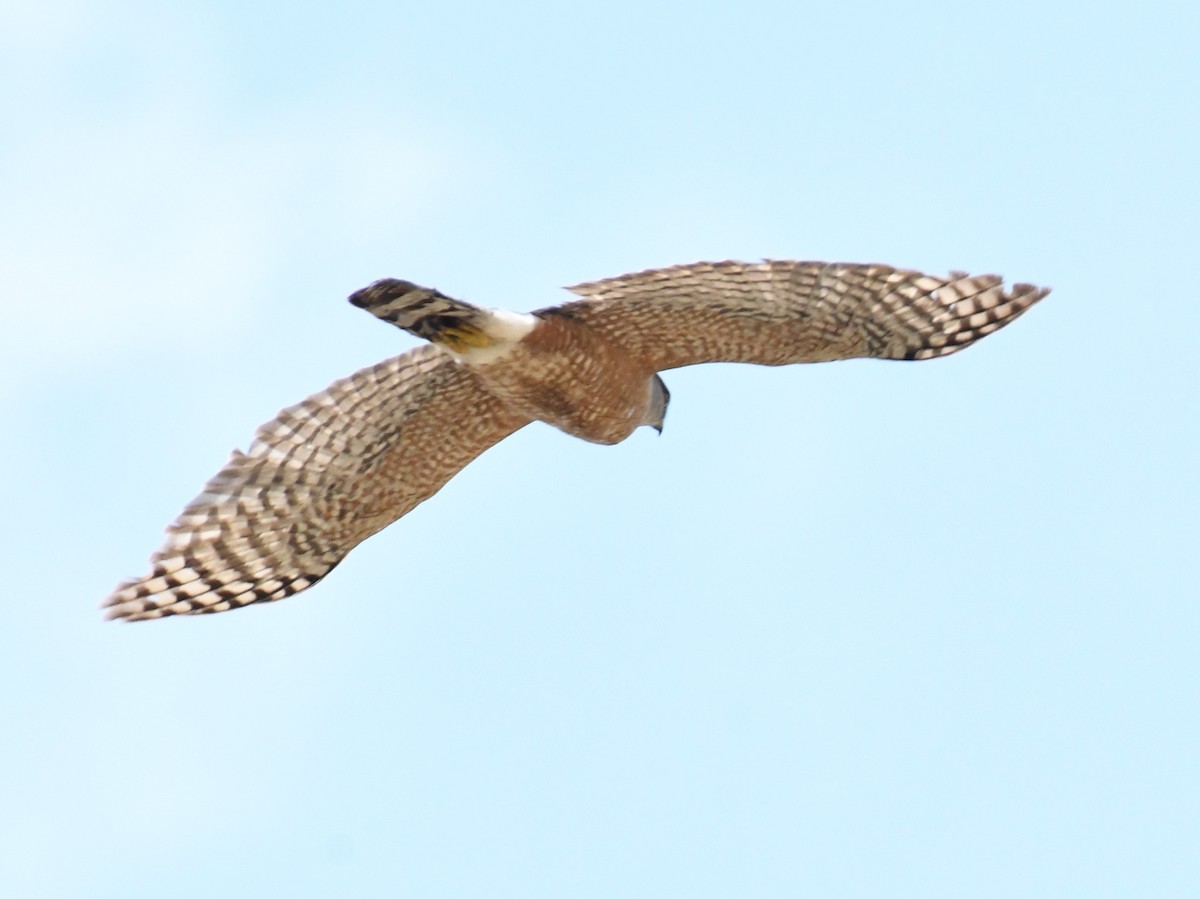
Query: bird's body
[[568, 375], [327, 473], [545, 366]]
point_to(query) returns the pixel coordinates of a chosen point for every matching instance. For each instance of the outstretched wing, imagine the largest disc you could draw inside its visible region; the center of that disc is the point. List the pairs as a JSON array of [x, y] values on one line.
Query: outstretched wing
[[778, 312], [320, 478]]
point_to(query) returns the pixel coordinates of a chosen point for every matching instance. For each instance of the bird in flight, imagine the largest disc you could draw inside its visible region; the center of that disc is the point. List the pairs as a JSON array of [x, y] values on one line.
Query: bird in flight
[[325, 474]]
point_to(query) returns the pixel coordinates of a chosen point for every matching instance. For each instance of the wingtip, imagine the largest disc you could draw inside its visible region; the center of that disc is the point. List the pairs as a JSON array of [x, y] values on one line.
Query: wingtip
[[115, 606], [127, 603], [133, 610]]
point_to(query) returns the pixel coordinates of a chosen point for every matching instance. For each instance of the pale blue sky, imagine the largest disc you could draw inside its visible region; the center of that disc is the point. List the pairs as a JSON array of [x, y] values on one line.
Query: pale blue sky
[[855, 630]]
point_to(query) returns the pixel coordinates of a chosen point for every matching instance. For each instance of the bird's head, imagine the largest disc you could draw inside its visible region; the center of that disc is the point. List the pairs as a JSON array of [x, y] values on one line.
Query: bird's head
[[660, 397]]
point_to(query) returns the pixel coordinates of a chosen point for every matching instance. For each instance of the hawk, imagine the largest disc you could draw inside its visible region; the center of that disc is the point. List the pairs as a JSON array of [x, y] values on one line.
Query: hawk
[[331, 471]]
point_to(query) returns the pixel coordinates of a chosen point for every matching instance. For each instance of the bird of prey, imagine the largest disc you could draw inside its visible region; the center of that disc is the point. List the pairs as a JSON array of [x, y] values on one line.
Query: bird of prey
[[331, 471]]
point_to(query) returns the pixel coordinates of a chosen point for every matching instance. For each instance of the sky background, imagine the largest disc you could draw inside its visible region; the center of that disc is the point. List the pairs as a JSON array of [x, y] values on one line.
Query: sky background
[[852, 630]]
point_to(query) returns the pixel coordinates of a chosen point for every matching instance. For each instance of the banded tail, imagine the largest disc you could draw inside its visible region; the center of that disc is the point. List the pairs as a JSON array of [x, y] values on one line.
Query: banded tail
[[472, 332]]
